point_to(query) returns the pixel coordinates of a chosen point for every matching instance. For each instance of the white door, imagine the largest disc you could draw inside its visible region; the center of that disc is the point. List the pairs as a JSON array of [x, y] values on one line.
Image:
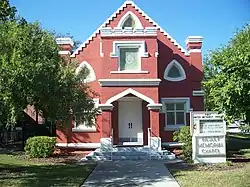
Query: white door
[[130, 122]]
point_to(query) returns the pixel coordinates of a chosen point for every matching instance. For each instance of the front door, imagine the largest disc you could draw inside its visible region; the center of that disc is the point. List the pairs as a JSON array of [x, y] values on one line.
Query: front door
[[130, 122]]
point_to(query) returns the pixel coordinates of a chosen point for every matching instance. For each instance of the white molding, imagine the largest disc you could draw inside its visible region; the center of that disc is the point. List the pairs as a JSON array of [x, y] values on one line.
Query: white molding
[[128, 31], [156, 54], [177, 100], [195, 51], [91, 76], [101, 52], [129, 82], [141, 45], [172, 144], [156, 106], [64, 52], [194, 39], [84, 129], [124, 18], [179, 67], [129, 72], [79, 145], [106, 106], [143, 14], [130, 91], [64, 41], [198, 93]]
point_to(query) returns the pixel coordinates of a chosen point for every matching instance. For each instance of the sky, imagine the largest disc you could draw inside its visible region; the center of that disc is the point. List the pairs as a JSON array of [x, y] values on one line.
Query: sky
[[215, 20]]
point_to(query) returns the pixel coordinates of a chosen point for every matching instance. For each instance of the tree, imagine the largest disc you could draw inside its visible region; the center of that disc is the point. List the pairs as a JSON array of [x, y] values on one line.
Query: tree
[[7, 12], [32, 73], [227, 77]]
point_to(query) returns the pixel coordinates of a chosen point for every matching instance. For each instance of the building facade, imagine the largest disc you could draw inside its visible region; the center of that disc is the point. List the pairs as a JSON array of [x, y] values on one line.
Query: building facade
[[145, 81]]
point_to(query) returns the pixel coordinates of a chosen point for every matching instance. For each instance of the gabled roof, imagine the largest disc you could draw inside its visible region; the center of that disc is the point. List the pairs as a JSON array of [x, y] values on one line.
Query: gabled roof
[[129, 2]]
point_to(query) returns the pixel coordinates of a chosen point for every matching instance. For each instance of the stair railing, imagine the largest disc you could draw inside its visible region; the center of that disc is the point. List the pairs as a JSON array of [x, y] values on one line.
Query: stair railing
[[149, 143]]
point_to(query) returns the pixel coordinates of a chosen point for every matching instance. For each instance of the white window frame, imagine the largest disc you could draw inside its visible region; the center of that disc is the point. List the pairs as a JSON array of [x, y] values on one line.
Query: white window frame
[[83, 127], [136, 19], [91, 76], [164, 101], [179, 67]]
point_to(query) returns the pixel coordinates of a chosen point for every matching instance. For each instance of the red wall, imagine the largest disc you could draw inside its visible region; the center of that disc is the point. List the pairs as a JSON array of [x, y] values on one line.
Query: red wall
[[155, 65]]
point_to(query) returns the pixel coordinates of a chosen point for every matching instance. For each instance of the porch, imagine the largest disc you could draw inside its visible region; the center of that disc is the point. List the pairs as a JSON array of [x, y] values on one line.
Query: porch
[[131, 119]]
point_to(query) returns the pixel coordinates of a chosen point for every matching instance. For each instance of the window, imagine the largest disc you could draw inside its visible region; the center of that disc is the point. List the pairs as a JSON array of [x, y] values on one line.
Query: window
[[129, 22], [80, 125], [91, 73], [129, 59], [83, 126], [175, 112], [174, 72]]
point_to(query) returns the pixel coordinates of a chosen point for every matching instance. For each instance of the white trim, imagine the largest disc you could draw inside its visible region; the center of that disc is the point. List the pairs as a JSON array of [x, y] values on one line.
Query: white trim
[[129, 82], [172, 144], [79, 145], [141, 45], [64, 41], [156, 54], [177, 100], [129, 72], [130, 91], [91, 76], [173, 127], [179, 67], [156, 106], [106, 106], [84, 129], [64, 52], [195, 51], [134, 17], [101, 52], [115, 14], [194, 39], [198, 93], [128, 31]]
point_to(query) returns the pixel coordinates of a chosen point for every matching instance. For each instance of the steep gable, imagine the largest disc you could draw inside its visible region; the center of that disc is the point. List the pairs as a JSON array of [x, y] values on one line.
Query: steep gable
[[112, 21]]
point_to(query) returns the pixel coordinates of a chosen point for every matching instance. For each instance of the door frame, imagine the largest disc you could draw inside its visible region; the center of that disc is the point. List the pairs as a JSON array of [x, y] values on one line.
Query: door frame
[[141, 130]]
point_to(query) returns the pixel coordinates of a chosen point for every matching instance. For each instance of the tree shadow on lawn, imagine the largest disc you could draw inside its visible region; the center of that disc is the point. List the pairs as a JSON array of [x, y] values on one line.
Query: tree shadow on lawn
[[44, 175]]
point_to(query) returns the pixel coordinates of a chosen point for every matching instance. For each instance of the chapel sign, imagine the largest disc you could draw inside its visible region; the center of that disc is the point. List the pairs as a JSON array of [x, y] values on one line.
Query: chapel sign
[[208, 130]]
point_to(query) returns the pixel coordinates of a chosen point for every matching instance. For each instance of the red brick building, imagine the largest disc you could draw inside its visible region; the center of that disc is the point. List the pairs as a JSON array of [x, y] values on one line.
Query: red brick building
[[146, 82]]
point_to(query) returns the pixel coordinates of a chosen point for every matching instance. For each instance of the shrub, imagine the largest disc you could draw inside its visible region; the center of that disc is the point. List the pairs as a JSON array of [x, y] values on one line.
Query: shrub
[[183, 136], [40, 146]]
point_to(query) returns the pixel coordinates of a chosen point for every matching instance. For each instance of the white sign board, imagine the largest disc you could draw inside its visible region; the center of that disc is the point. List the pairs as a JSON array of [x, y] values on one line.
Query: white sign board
[[208, 131], [211, 145]]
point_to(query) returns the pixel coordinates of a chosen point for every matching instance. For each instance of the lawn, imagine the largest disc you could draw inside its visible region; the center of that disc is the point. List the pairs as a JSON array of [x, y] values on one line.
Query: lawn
[[18, 171], [237, 176]]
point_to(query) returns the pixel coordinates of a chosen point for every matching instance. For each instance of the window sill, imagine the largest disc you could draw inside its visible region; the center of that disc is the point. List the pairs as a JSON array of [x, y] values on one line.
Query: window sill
[[129, 72], [173, 127], [83, 129]]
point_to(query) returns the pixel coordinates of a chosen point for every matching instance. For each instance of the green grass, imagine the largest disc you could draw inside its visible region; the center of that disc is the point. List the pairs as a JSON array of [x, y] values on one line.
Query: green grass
[[16, 171], [228, 178]]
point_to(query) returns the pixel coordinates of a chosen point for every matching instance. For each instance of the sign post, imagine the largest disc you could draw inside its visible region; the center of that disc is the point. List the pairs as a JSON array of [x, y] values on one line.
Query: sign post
[[208, 130]]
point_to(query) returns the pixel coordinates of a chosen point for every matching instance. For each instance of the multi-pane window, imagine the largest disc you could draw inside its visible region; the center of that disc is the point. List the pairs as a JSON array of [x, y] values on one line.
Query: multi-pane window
[[129, 59], [175, 113], [174, 72], [129, 22]]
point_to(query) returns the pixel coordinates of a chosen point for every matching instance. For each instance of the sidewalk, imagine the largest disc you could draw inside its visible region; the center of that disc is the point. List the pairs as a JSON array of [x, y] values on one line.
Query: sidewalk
[[131, 173]]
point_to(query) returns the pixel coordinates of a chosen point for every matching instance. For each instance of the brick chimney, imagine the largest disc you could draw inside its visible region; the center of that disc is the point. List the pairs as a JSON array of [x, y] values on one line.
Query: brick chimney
[[65, 45], [194, 44]]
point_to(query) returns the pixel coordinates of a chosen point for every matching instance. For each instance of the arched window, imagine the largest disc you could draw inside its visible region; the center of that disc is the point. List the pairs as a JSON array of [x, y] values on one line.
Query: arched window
[[91, 73], [129, 22], [174, 72]]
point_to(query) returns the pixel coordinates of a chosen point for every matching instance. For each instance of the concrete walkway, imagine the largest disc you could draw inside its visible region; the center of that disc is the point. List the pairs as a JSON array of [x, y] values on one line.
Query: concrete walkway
[[131, 173]]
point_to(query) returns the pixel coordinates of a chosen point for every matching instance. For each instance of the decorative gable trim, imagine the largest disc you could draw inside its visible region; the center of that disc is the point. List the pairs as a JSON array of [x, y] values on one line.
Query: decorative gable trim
[[128, 2]]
